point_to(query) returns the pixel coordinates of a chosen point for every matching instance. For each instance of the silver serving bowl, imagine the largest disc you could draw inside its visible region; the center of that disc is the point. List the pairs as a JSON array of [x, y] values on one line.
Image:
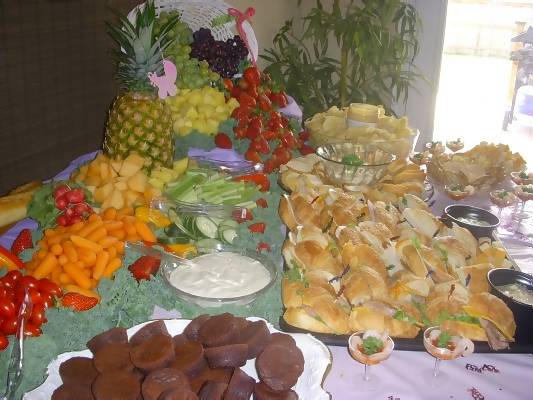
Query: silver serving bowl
[[375, 163]]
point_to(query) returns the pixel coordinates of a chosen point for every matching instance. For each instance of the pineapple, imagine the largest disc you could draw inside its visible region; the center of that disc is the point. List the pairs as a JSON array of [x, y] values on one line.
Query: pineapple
[[138, 121]]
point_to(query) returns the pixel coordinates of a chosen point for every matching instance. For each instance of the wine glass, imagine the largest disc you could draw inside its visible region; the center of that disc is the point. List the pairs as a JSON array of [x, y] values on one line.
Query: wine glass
[[435, 148], [444, 345], [455, 145], [502, 198], [524, 193], [522, 178], [370, 348]]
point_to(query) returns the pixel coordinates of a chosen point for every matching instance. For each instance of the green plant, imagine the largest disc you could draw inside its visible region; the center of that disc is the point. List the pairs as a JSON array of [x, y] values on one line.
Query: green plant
[[378, 43]]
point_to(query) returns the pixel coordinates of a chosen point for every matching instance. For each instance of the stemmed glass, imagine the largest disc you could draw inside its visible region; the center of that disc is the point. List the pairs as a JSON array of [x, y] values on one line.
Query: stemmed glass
[[370, 348], [459, 192], [444, 346], [502, 198], [435, 148], [524, 193], [455, 145], [522, 178]]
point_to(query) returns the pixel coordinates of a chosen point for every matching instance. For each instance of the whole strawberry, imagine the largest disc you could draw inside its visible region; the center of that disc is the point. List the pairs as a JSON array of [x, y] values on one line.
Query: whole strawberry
[[78, 302], [22, 242], [144, 267]]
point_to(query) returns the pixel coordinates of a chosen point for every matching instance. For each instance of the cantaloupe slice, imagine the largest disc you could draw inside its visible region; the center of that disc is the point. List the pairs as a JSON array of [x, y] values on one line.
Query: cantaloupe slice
[[131, 165], [104, 171], [138, 182], [102, 192], [121, 185], [116, 165]]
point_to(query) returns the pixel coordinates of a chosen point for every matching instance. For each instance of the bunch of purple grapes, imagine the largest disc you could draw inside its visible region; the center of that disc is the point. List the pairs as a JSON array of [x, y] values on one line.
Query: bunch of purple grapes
[[223, 57]]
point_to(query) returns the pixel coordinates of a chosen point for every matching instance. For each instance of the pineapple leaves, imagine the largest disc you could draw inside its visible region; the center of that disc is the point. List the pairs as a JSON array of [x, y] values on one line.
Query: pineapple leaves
[[140, 51]]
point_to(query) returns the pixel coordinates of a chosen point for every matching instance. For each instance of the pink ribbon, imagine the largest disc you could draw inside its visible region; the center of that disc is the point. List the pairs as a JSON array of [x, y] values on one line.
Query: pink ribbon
[[240, 18]]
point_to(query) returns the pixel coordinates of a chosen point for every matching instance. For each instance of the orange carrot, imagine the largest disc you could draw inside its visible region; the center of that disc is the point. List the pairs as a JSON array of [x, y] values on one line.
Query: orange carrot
[[110, 268], [144, 231], [56, 249], [119, 234], [62, 259], [77, 275], [80, 290], [65, 279], [113, 225], [108, 241], [110, 214], [102, 259], [120, 247], [87, 256], [97, 234], [70, 251], [89, 227], [85, 243]]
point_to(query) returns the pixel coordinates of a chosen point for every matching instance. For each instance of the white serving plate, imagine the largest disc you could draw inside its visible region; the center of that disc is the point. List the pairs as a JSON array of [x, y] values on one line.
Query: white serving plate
[[309, 386]]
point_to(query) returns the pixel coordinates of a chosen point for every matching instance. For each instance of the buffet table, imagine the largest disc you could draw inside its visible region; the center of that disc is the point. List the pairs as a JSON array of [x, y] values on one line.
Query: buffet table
[[480, 376]]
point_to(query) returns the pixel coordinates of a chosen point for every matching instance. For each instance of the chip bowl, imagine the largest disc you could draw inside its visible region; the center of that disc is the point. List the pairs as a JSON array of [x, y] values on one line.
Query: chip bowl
[[374, 163]]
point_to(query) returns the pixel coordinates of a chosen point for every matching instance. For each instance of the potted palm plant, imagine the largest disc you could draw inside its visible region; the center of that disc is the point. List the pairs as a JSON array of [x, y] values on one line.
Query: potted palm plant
[[378, 44]]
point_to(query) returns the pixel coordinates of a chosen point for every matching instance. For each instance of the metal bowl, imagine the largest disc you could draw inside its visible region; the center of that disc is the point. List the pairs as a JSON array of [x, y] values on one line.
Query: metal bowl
[[375, 163], [523, 313], [460, 213], [167, 267]]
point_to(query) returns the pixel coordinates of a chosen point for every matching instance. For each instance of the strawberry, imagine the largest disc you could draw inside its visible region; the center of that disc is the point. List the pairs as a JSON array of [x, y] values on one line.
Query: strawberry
[[22, 242], [223, 141], [78, 302], [144, 267], [261, 203], [263, 246], [306, 149], [258, 227]]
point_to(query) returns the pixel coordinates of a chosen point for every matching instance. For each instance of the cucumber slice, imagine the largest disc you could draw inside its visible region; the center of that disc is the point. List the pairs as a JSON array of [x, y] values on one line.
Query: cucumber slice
[[180, 224], [207, 227], [227, 235], [228, 224]]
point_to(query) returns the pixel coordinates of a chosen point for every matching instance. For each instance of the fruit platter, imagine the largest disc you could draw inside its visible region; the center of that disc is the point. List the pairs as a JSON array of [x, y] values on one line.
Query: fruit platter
[[213, 211]]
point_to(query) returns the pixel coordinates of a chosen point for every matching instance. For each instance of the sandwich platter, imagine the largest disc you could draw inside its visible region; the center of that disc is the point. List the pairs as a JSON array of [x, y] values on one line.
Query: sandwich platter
[[352, 264]]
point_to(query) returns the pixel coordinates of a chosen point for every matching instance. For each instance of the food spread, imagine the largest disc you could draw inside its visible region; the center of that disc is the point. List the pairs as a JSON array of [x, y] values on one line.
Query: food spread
[[220, 275]]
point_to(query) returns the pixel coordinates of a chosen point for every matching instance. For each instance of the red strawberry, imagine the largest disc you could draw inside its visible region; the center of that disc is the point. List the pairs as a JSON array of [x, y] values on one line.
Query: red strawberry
[[22, 242], [258, 227], [261, 203], [223, 141], [306, 149], [144, 267], [78, 302], [263, 246]]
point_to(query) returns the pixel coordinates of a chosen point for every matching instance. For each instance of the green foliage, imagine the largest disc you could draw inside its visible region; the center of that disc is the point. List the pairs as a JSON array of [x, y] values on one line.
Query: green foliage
[[372, 345], [378, 43], [139, 51], [443, 339]]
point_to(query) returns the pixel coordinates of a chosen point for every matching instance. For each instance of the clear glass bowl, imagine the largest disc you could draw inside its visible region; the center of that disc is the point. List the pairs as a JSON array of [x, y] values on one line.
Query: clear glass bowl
[[167, 267], [375, 162]]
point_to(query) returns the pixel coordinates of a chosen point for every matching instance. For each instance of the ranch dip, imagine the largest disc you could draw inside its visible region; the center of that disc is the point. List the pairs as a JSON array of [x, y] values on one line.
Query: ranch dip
[[221, 275]]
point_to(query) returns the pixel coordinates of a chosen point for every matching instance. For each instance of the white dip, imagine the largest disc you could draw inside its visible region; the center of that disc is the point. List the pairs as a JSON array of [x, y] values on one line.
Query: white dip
[[222, 275]]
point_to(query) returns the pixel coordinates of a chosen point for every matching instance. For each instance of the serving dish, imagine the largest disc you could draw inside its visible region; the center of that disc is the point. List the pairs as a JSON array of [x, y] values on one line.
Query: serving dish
[[466, 215], [309, 386], [168, 266], [354, 164], [523, 312]]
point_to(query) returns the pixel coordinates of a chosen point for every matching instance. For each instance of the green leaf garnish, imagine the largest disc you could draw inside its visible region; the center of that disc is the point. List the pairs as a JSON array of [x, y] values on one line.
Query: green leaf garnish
[[352, 160], [401, 315], [372, 345], [523, 175], [416, 242], [502, 194], [443, 339]]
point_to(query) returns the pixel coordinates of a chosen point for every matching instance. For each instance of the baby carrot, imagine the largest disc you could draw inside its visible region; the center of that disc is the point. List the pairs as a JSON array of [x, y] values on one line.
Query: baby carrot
[[89, 227], [120, 234], [126, 211], [144, 231], [87, 256], [62, 259], [110, 268], [112, 252], [70, 251], [77, 275], [85, 243], [41, 254], [97, 234], [120, 247], [65, 279], [102, 259], [110, 214], [108, 241], [56, 249], [94, 217], [45, 267], [113, 225]]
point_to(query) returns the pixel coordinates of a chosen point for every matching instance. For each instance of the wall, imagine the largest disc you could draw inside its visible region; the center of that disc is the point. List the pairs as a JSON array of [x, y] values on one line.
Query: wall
[[420, 107], [269, 18]]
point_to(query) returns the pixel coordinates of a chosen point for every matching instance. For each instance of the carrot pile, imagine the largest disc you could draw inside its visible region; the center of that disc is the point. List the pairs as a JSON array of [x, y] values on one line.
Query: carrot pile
[[76, 257]]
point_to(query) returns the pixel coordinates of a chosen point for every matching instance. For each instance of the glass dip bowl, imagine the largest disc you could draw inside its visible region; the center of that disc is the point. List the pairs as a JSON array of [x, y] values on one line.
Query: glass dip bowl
[[169, 266], [354, 164]]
